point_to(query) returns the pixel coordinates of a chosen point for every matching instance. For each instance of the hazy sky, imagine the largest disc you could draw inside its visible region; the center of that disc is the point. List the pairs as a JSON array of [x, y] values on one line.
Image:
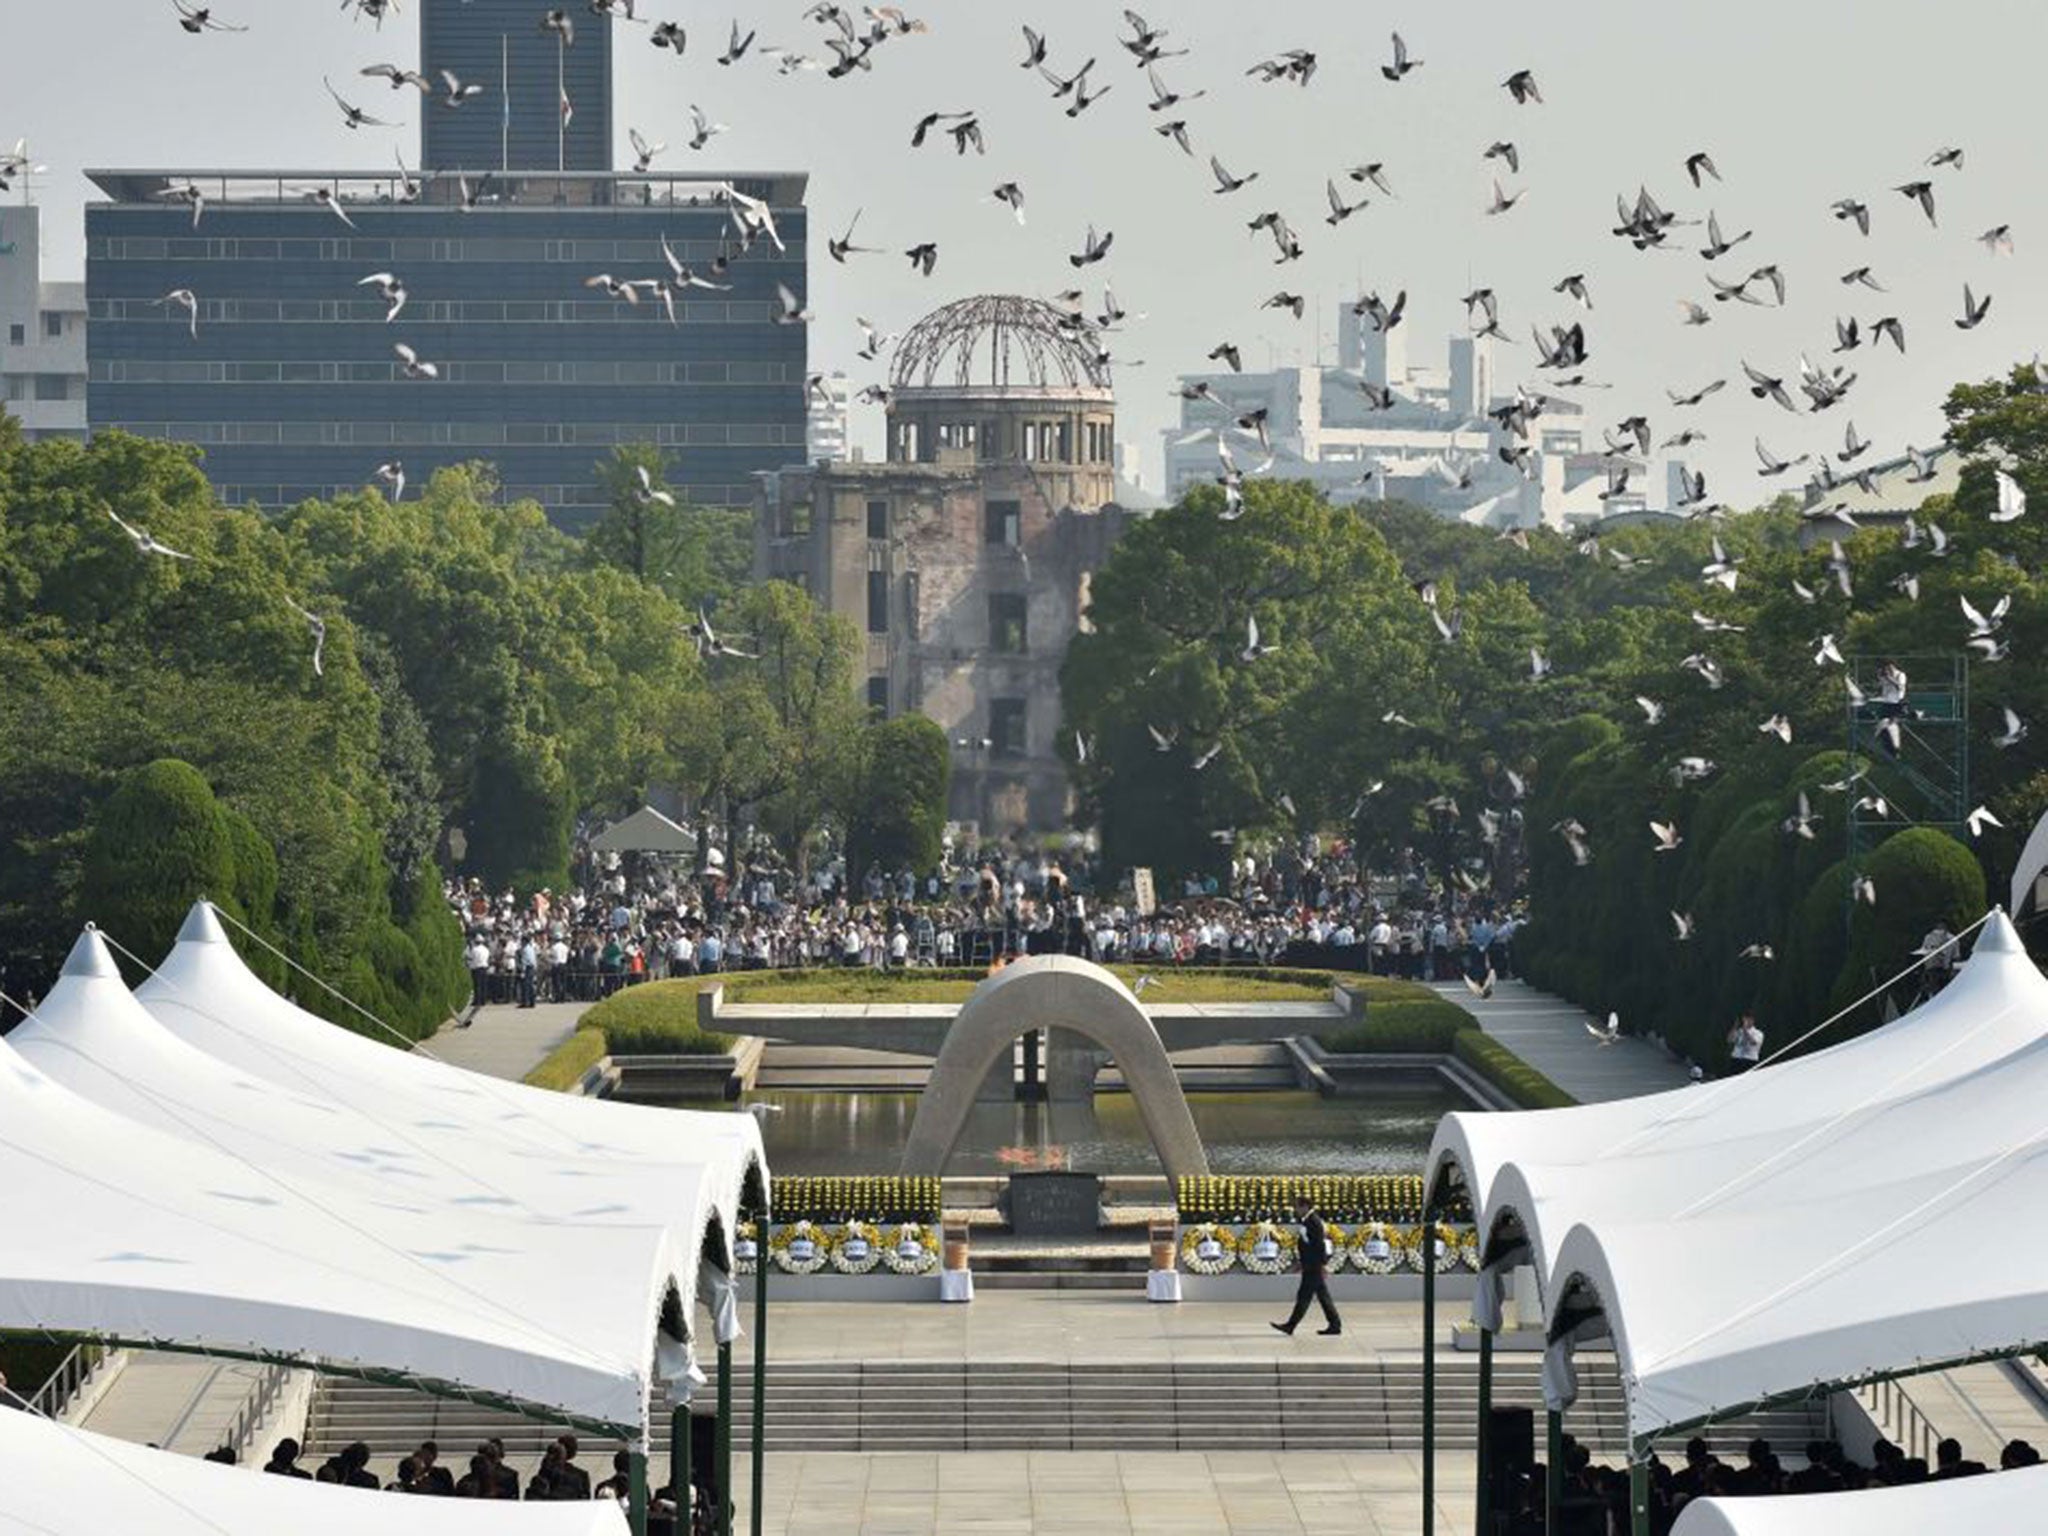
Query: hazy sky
[[1799, 102]]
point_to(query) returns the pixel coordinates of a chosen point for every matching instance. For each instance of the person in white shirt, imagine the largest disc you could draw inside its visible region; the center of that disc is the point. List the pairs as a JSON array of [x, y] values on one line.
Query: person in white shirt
[[899, 948], [1745, 1044], [479, 958]]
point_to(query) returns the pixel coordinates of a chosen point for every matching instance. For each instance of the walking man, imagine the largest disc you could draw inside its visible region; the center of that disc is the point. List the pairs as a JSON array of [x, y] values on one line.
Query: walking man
[[1315, 1267]]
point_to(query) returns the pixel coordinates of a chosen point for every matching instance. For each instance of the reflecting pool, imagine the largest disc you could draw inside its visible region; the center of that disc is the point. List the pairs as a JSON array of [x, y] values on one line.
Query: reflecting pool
[[1245, 1133]]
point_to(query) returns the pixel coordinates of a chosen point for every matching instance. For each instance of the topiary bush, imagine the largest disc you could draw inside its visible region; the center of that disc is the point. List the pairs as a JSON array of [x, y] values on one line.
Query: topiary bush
[[1923, 877], [159, 842]]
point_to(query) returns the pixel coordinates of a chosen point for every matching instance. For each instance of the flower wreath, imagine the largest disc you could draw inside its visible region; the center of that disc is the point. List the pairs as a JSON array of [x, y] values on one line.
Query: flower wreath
[[1265, 1249], [856, 1248], [1468, 1248], [1374, 1251], [798, 1250], [1208, 1249], [746, 1249], [911, 1249], [1446, 1245], [1340, 1245]]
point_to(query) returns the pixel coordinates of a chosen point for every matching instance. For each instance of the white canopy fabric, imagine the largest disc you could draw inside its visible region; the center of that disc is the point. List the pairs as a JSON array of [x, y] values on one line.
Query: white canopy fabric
[[645, 831], [205, 995], [119, 1231], [94, 1037], [1893, 1236], [1532, 1175], [1996, 1504], [62, 1481], [2033, 863]]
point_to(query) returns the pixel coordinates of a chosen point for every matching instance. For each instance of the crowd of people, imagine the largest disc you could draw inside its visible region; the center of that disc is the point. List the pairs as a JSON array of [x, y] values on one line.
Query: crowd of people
[[1596, 1497], [631, 919], [558, 1477]]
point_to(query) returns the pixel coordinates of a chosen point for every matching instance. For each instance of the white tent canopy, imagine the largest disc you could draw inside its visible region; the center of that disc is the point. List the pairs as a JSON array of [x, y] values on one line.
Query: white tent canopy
[[1891, 1237], [1532, 1175], [1997, 1504], [645, 831], [94, 1037], [121, 1232], [69, 1482], [205, 995]]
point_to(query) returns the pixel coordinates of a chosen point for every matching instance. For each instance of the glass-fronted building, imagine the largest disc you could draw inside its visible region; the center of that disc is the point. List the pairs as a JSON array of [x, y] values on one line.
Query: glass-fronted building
[[292, 384]]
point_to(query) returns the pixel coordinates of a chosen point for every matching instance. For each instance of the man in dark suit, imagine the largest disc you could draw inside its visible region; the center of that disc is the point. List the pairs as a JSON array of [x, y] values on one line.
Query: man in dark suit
[[1315, 1268]]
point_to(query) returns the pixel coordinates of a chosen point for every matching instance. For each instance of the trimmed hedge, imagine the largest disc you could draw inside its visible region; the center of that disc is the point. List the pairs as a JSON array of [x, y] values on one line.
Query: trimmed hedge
[[654, 1019], [563, 1067], [1508, 1072]]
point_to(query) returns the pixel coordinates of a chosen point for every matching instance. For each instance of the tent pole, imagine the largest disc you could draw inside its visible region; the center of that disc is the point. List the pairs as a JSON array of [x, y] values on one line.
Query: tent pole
[[1428, 1251], [1482, 1524], [679, 1426], [1639, 1492], [1553, 1472], [636, 1489], [760, 1469], [724, 1439]]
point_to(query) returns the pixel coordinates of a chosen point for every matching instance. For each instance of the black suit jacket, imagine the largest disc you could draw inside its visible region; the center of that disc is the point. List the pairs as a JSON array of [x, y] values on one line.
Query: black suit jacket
[[1315, 1245]]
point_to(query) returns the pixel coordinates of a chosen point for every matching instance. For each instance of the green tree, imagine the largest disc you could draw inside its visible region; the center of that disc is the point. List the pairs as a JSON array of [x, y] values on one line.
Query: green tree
[[896, 817]]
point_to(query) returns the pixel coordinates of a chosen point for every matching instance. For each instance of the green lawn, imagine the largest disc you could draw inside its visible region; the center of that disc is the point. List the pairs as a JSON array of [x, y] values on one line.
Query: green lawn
[[865, 986]]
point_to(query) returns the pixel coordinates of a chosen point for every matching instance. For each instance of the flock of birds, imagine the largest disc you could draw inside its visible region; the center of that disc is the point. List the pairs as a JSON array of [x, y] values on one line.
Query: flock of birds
[[1562, 350]]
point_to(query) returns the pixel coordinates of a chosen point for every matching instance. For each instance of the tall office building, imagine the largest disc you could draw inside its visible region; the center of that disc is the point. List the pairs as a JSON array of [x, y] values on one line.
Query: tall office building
[[291, 381], [42, 335], [527, 73]]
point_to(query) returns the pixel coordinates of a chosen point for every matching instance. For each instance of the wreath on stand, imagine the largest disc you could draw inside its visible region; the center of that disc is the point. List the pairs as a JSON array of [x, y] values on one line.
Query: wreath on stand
[[1340, 1245], [1265, 1249], [1208, 1249], [856, 1248], [1445, 1244], [912, 1249], [746, 1249], [1374, 1251], [798, 1250], [1468, 1248]]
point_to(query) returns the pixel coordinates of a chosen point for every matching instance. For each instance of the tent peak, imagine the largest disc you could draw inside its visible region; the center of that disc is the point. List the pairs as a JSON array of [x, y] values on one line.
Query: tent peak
[[1999, 936], [202, 925], [91, 958]]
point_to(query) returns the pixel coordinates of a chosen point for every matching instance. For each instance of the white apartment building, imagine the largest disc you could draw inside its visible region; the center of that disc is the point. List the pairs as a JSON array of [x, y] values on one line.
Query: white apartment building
[[1435, 445], [42, 335]]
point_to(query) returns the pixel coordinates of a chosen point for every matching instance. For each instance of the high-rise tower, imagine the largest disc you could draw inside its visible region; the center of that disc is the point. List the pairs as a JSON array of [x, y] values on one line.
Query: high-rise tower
[[547, 100]]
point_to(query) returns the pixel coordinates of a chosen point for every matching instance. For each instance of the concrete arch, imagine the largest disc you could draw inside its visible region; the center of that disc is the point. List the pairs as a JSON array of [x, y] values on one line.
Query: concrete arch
[[1060, 992]]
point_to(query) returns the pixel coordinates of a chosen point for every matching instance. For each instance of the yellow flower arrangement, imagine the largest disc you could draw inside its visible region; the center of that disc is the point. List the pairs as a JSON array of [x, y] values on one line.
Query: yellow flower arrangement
[[1208, 1249]]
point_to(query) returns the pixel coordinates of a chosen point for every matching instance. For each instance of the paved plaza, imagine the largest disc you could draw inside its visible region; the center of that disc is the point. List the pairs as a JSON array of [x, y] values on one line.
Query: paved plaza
[[1092, 1327], [1550, 1035], [1036, 1493]]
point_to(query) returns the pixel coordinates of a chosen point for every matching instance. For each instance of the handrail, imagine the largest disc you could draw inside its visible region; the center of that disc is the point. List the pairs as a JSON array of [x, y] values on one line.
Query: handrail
[[1900, 1418], [69, 1379], [256, 1408]]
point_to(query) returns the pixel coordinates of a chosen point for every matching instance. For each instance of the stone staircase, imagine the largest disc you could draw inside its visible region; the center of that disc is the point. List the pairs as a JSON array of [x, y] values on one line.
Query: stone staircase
[[945, 1406]]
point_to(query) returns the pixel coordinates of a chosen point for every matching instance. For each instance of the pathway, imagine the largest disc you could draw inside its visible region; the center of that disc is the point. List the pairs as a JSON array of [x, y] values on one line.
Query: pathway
[[181, 1403], [1550, 1035], [506, 1041], [1102, 1493]]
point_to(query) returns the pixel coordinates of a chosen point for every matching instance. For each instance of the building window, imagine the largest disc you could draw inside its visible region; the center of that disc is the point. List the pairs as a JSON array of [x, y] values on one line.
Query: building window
[[17, 335], [878, 520], [53, 386], [53, 323], [1066, 454], [878, 692], [1003, 523], [1006, 623], [796, 520], [1006, 733], [17, 386], [878, 602], [1029, 449]]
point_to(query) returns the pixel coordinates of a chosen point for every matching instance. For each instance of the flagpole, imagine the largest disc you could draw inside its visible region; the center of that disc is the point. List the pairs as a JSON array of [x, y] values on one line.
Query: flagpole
[[561, 107], [505, 99]]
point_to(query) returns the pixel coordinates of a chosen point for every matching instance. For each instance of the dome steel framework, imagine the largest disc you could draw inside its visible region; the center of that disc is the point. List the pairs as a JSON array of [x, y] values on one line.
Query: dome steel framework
[[998, 341]]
